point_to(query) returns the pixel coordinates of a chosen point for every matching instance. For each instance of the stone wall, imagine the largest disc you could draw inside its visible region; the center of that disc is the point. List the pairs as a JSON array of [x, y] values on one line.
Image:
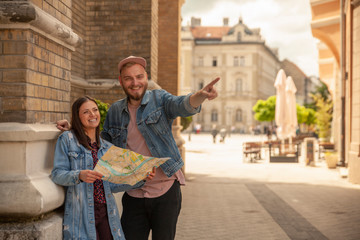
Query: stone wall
[[353, 90]]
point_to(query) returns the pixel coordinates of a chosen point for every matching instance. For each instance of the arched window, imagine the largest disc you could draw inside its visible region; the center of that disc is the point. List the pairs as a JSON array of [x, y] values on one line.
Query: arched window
[[214, 115], [239, 115]]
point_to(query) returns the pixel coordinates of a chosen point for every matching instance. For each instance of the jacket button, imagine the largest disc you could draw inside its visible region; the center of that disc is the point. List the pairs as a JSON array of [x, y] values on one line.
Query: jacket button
[[126, 125], [124, 141]]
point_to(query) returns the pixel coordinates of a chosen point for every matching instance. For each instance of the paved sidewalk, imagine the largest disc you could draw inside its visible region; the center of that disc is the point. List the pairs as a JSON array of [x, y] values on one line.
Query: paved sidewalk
[[225, 198]]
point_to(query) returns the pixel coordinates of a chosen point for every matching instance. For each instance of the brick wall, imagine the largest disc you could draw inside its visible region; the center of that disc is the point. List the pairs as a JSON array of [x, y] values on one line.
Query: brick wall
[[106, 95], [35, 78], [78, 26], [169, 31], [114, 30], [59, 9]]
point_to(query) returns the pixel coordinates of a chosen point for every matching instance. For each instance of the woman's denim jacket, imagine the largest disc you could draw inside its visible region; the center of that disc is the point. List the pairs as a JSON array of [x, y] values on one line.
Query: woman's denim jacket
[[79, 217], [154, 119]]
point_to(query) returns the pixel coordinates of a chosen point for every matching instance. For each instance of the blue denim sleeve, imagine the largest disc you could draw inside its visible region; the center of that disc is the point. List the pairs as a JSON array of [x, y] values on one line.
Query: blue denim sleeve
[[176, 106], [62, 173], [124, 187]]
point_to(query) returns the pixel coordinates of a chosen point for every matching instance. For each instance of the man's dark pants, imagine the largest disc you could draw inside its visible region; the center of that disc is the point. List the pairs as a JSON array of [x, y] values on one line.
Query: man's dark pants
[[158, 214]]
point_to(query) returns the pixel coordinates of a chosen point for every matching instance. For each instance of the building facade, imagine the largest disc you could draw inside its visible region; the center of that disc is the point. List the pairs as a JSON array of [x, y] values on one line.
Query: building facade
[[239, 56], [336, 23]]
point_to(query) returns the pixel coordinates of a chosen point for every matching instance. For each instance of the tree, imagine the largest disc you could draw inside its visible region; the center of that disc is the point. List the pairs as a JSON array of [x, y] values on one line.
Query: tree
[[265, 109], [305, 115], [265, 112]]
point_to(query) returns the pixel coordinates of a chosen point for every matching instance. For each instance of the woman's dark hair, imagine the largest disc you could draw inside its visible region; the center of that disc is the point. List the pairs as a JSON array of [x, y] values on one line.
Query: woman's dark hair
[[76, 125]]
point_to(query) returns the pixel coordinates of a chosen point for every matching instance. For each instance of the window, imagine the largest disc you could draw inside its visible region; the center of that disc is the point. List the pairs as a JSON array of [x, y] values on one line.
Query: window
[[214, 116], [201, 61], [239, 36], [236, 61], [238, 116], [238, 86], [242, 61], [214, 62]]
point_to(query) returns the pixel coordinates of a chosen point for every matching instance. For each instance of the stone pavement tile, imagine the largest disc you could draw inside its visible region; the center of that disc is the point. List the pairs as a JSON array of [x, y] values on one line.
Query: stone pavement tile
[[227, 208], [218, 204], [224, 210], [294, 224], [334, 211]]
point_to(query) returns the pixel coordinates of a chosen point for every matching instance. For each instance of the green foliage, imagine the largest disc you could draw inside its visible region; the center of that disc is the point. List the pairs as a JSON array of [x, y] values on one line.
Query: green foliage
[[324, 111], [265, 110], [103, 108], [301, 113], [321, 90], [185, 122], [305, 115], [311, 119]]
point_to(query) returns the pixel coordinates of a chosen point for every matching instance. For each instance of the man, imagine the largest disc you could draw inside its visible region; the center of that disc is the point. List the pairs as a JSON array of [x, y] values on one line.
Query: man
[[142, 123]]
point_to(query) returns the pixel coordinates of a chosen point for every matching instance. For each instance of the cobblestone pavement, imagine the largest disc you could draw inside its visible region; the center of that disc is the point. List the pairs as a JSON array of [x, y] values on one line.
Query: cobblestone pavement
[[228, 198]]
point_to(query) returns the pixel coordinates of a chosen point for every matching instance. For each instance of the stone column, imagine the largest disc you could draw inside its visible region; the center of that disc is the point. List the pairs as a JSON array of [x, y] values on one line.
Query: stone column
[[36, 42]]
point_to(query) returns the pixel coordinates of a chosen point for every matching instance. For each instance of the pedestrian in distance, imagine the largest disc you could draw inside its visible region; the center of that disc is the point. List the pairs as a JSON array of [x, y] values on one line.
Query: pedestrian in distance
[[222, 135], [142, 122], [214, 133], [90, 208]]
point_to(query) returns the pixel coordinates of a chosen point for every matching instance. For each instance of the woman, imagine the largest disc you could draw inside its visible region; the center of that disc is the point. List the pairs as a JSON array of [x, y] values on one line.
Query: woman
[[90, 208]]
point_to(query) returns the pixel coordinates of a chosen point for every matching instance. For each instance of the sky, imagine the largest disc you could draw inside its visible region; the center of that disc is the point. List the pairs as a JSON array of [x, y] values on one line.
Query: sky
[[284, 24]]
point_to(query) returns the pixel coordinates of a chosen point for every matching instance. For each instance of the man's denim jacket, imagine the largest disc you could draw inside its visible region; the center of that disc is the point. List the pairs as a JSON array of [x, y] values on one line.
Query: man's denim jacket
[[79, 216], [154, 119]]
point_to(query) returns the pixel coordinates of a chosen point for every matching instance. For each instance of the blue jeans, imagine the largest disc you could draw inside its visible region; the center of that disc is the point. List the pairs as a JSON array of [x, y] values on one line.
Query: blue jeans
[[158, 214]]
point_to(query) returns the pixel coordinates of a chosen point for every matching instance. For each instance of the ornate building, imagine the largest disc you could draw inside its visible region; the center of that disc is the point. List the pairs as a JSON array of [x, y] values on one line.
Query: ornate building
[[246, 65]]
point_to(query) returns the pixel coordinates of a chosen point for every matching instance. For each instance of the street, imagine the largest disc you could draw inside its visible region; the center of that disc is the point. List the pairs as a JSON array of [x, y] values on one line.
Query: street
[[227, 198]]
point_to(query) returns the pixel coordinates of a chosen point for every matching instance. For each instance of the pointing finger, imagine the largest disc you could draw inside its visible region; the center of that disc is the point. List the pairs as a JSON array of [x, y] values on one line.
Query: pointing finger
[[212, 83]]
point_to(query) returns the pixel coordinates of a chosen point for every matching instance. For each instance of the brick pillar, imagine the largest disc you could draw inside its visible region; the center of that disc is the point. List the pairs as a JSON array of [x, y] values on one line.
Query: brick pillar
[[169, 56], [169, 45], [36, 42]]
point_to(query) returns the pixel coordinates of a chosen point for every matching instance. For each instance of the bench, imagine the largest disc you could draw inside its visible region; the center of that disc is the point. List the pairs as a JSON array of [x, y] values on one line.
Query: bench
[[252, 150], [284, 152]]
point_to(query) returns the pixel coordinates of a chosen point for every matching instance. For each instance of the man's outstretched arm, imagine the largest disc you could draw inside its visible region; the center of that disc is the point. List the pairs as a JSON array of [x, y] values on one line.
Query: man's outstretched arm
[[208, 92]]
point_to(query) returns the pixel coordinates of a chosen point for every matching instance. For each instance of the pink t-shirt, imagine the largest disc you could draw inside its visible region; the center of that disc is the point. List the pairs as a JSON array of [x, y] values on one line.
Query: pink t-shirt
[[160, 184]]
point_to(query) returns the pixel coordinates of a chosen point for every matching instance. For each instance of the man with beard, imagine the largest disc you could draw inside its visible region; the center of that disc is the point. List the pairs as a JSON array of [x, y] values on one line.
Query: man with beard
[[142, 123]]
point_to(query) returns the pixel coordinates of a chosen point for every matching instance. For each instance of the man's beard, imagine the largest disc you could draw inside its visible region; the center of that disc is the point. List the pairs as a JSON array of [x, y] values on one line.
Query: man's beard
[[136, 97]]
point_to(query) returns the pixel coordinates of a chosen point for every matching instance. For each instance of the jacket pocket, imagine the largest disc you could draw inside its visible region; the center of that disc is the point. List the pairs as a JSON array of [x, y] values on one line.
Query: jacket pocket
[[157, 122], [76, 160]]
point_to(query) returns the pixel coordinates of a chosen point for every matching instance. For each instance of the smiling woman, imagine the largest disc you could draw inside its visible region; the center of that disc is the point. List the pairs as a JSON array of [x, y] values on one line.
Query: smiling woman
[[76, 154]]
